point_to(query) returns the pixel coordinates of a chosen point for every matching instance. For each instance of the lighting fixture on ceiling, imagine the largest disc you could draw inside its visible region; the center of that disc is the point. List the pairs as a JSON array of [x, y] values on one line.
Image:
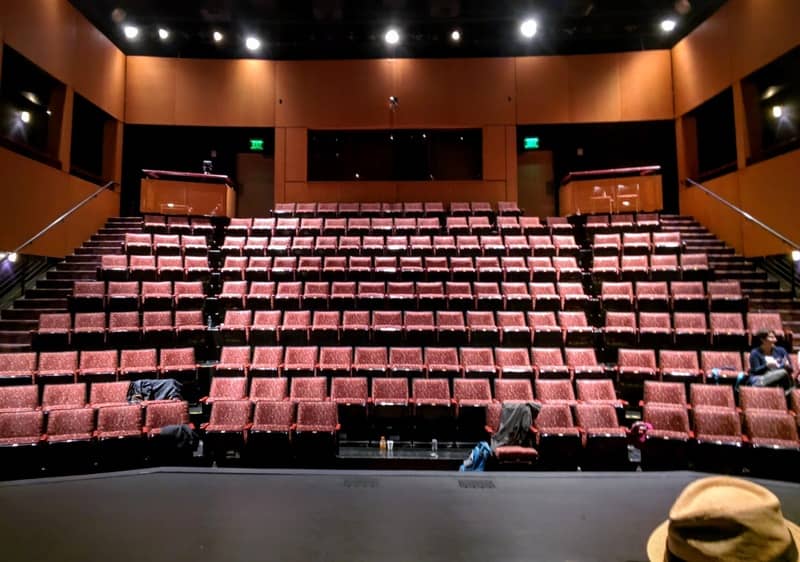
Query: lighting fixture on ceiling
[[131, 31], [392, 37], [455, 36], [218, 37], [668, 25], [252, 43], [529, 28], [163, 34]]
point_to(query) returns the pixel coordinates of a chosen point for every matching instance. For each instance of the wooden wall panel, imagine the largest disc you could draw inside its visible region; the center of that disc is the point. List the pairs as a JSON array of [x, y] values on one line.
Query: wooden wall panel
[[296, 154], [511, 163], [334, 94], [761, 31], [57, 38], [701, 62], [542, 84], [102, 80], [280, 165], [720, 220], [454, 92], [150, 91], [36, 194], [594, 88], [645, 80], [225, 93]]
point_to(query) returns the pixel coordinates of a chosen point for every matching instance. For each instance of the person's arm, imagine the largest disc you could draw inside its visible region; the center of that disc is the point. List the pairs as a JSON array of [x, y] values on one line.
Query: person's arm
[[758, 364]]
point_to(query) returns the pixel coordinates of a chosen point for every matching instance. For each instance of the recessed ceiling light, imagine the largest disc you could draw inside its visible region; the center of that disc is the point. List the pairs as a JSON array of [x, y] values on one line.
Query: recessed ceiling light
[[253, 43], [392, 37], [163, 34], [455, 35], [218, 36], [528, 28], [668, 25], [131, 31], [25, 116], [777, 111]]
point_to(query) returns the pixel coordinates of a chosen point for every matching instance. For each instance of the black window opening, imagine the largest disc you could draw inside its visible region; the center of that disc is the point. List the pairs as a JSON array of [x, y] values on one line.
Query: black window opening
[[772, 106], [395, 155], [716, 136], [93, 139], [31, 108]]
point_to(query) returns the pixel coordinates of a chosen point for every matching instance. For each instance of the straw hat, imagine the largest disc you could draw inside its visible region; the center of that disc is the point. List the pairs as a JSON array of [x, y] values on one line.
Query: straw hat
[[725, 519]]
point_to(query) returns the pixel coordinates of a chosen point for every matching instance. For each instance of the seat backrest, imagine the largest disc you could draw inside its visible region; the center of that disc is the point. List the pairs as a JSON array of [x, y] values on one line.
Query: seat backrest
[[181, 356], [341, 357], [444, 356], [547, 356], [596, 390], [645, 358], [711, 395], [472, 389], [654, 320], [405, 357], [580, 356], [123, 320], [477, 357], [667, 418], [726, 321], [195, 318], [267, 356], [678, 360], [275, 414], [237, 318], [228, 388], [19, 397], [309, 388], [106, 359], [64, 395], [724, 360], [708, 421], [109, 393], [620, 320], [596, 416], [762, 398], [235, 355], [21, 424], [549, 390], [389, 390], [689, 320], [512, 357], [125, 417], [768, 424], [58, 361], [78, 421], [370, 356], [664, 393], [233, 413], [511, 389], [349, 388], [553, 416], [160, 414], [269, 388], [304, 357], [138, 359]]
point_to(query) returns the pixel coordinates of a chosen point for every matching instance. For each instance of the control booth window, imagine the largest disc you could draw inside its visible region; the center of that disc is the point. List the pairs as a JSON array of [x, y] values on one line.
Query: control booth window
[[31, 106], [395, 155], [93, 141]]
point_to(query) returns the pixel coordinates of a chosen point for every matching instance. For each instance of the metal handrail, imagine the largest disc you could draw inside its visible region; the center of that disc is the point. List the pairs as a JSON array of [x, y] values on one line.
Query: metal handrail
[[57, 221], [745, 214]]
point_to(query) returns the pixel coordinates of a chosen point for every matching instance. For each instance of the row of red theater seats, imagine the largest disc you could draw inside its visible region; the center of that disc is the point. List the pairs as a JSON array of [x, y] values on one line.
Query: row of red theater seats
[[720, 397], [414, 208], [413, 268], [67, 396], [425, 295], [71, 425], [107, 365]]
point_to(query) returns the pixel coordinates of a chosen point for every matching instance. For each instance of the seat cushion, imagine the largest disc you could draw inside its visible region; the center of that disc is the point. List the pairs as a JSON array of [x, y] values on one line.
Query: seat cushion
[[511, 453]]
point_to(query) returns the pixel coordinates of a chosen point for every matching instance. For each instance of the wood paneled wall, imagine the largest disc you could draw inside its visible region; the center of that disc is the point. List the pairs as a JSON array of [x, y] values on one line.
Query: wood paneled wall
[[743, 36]]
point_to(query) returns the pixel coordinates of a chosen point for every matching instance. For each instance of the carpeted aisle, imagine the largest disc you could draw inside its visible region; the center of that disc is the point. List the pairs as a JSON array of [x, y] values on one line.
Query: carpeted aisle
[[193, 515]]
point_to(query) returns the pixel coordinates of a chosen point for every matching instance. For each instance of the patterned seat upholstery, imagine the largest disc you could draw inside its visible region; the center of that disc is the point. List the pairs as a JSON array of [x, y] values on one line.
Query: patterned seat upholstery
[[70, 425], [671, 393], [668, 421], [162, 414], [555, 392], [269, 389], [771, 429], [549, 363], [266, 361], [19, 398], [119, 422], [472, 392], [711, 396], [64, 396], [762, 398], [273, 417], [350, 391], [98, 365], [717, 426], [599, 391], [680, 366], [431, 392], [102, 394], [226, 388], [59, 366], [21, 428], [309, 389], [229, 416], [317, 417], [18, 367], [507, 390]]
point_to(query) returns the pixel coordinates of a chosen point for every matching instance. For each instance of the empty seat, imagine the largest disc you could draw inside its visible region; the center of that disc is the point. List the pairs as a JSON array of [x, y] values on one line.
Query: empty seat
[[263, 331], [113, 267], [419, 327], [406, 361], [606, 244], [709, 396], [541, 269], [664, 267], [123, 295], [233, 269], [120, 421], [680, 366], [179, 364], [555, 392], [514, 330], [98, 366], [64, 396], [269, 389], [288, 295], [102, 394], [690, 330], [309, 389], [566, 269], [296, 327], [652, 296], [430, 294], [442, 362], [335, 361], [355, 326], [605, 442], [549, 363], [487, 296], [666, 443], [726, 296], [636, 243], [233, 361], [727, 330], [513, 363], [600, 391], [138, 364], [387, 327], [370, 361], [235, 330], [226, 388], [620, 329], [573, 297], [450, 328], [558, 440], [261, 295], [300, 361], [189, 295], [233, 245], [583, 362], [617, 296], [565, 245], [178, 225], [350, 392], [21, 428], [161, 414], [166, 244], [478, 362], [668, 393], [239, 226], [267, 361], [771, 429], [190, 327], [544, 296], [605, 268], [762, 398], [137, 243], [53, 331], [262, 226], [667, 242], [719, 437], [18, 368], [19, 398], [636, 365], [89, 330], [60, 366], [695, 266], [69, 426], [655, 329]]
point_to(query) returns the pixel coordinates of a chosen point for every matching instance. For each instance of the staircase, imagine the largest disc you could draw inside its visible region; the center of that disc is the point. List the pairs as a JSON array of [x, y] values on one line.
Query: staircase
[[50, 292], [764, 294]]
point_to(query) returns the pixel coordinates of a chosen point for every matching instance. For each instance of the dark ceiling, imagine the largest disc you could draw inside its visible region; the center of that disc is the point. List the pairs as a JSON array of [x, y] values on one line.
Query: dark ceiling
[[339, 29]]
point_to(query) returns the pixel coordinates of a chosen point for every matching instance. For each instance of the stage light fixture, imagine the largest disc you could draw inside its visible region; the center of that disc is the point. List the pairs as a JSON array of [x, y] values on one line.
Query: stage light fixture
[[131, 31], [25, 116], [253, 43], [795, 255], [455, 36], [163, 34], [529, 28], [12, 257], [218, 37], [392, 37], [668, 25], [777, 111]]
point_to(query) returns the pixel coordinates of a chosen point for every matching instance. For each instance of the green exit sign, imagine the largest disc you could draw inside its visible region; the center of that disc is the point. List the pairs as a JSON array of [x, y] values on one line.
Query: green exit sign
[[530, 143], [257, 145]]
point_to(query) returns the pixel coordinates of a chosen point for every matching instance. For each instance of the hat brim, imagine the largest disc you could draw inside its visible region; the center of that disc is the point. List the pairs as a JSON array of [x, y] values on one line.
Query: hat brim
[[657, 543]]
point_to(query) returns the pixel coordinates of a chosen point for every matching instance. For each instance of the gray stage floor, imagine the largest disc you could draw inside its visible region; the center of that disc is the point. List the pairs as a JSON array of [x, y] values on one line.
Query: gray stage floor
[[181, 515]]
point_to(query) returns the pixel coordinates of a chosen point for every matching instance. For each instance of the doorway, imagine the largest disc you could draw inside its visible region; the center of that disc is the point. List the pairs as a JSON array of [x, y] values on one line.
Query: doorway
[[535, 184], [256, 189]]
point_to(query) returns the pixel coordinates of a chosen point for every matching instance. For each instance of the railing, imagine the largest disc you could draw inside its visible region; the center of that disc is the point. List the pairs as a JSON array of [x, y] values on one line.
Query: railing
[[794, 246], [12, 256], [23, 272]]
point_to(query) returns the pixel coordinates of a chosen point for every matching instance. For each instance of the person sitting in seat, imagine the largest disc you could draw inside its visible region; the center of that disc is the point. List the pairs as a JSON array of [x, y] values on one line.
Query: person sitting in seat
[[770, 364]]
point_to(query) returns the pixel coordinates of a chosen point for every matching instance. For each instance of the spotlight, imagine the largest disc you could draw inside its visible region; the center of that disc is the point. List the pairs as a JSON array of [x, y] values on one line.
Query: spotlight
[[668, 25], [253, 43], [528, 28], [392, 37], [3, 255], [49, 113], [25, 116], [163, 34], [795, 255], [12, 257], [131, 31], [455, 35], [777, 111], [218, 37]]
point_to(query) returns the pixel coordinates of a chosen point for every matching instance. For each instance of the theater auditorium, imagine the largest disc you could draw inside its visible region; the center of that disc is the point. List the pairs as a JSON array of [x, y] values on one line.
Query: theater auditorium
[[271, 273]]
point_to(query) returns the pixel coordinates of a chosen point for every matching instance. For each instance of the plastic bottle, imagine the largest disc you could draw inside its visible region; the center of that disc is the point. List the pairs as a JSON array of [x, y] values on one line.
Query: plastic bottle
[[382, 443], [435, 445]]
